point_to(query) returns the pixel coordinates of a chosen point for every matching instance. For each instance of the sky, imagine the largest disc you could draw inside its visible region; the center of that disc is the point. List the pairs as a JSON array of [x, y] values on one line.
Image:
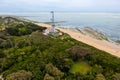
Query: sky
[[60, 5]]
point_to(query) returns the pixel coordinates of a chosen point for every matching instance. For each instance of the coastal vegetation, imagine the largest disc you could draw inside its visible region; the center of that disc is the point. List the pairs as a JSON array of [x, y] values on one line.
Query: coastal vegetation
[[92, 33], [27, 54], [118, 41], [80, 67]]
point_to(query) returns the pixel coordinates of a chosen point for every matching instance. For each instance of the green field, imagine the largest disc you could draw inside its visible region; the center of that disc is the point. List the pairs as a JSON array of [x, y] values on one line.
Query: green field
[[80, 67]]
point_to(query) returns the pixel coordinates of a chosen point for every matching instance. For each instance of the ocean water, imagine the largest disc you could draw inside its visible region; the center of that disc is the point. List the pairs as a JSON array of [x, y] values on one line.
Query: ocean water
[[107, 23]]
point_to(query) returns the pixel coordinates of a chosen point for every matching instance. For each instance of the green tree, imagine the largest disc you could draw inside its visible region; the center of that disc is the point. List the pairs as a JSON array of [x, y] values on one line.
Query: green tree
[[97, 69], [116, 76], [100, 77], [22, 31], [20, 75], [77, 52], [50, 69], [48, 77]]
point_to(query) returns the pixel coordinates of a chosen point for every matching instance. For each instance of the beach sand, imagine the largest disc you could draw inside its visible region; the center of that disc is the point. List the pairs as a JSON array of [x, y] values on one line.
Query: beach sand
[[107, 46]]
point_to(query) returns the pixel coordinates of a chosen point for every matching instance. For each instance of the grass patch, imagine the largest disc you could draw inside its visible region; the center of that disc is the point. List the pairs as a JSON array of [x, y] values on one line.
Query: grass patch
[[80, 67]]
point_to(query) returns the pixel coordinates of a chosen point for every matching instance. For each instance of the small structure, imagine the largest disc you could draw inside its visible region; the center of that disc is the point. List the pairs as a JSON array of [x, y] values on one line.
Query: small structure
[[47, 31], [3, 17], [60, 33]]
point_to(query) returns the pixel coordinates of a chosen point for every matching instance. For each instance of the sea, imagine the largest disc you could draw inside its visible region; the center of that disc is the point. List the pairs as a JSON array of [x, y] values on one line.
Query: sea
[[107, 23]]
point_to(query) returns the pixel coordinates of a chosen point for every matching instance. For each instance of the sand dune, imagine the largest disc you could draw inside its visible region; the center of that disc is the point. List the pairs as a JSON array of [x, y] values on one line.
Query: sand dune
[[110, 47]]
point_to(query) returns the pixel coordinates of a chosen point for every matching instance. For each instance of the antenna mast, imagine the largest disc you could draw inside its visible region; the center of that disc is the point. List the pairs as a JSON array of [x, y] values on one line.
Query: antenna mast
[[53, 23]]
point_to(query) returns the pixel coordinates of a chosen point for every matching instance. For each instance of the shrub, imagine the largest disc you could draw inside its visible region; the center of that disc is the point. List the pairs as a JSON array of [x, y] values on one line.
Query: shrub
[[48, 77], [20, 75], [50, 69], [77, 53], [100, 77], [116, 76]]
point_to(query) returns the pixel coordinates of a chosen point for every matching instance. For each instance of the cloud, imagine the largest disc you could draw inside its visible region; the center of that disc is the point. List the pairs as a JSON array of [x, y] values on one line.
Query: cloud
[[78, 5]]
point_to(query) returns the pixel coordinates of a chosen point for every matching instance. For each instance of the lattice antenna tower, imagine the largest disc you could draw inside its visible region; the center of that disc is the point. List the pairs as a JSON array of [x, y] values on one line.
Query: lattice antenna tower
[[53, 22]]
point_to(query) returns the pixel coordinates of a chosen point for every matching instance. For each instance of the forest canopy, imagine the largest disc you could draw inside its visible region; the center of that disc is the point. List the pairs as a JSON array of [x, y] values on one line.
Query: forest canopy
[[27, 54]]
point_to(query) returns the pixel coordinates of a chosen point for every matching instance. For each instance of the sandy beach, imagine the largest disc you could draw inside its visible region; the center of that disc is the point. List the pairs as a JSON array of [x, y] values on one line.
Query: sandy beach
[[107, 46]]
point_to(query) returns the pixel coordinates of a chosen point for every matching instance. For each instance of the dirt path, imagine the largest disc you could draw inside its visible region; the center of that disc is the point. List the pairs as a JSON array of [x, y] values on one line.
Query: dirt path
[[106, 46]]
